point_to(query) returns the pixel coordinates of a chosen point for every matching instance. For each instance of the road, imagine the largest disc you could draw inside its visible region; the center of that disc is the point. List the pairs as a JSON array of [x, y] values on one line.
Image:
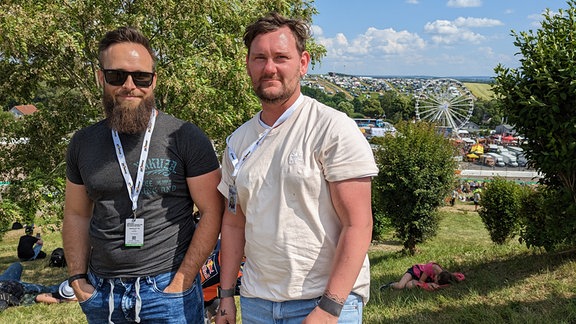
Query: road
[[473, 170]]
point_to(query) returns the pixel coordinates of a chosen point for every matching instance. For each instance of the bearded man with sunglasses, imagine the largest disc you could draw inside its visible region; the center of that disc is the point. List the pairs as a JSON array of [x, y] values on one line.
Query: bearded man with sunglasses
[[130, 239]]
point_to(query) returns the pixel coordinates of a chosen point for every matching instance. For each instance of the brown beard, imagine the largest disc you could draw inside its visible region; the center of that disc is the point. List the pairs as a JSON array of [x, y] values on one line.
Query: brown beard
[[126, 120], [276, 98]]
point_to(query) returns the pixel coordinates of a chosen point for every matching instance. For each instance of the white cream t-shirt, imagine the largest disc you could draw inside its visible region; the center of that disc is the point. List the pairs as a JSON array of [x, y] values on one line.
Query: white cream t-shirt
[[292, 229]]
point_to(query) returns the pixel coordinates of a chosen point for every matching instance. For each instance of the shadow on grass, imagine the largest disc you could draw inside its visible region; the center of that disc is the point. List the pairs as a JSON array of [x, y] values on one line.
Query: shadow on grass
[[485, 277], [482, 279], [554, 309]]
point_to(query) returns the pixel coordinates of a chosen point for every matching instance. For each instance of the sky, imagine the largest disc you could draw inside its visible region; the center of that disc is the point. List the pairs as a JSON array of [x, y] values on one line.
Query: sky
[[438, 38]]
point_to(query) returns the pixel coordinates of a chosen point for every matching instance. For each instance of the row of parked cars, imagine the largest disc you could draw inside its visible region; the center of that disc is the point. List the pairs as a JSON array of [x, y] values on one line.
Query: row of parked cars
[[498, 155]]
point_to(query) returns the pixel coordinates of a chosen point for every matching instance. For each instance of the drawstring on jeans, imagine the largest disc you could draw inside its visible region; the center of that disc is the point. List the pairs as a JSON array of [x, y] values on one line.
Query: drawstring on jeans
[[138, 306], [111, 301]]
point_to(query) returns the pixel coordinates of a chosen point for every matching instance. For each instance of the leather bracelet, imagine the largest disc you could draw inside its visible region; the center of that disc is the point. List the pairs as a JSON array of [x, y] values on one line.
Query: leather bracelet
[[330, 306], [75, 277], [225, 293]]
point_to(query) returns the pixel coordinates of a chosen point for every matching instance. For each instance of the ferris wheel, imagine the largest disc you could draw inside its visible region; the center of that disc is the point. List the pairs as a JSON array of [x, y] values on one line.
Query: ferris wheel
[[445, 102]]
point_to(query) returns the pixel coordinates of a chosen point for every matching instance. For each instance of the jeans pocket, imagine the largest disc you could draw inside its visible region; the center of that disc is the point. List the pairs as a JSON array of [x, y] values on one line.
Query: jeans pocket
[[96, 283], [161, 281]]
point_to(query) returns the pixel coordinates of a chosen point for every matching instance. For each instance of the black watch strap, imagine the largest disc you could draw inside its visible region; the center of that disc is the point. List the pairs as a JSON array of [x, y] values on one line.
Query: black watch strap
[[76, 277], [223, 293]]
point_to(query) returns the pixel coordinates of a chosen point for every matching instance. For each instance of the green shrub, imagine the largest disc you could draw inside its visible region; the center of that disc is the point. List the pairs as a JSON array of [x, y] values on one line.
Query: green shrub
[[546, 218], [499, 207], [416, 174]]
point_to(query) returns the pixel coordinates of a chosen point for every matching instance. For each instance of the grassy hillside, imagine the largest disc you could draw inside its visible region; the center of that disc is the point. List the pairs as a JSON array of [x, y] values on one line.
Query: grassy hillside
[[480, 90], [504, 283]]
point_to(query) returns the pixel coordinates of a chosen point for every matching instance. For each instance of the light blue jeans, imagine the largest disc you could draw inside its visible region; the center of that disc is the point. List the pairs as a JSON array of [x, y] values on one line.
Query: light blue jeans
[[14, 272], [260, 311], [37, 249], [143, 299]]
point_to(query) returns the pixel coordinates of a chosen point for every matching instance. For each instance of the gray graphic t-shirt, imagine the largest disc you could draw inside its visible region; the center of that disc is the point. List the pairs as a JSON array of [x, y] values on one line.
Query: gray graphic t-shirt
[[178, 150]]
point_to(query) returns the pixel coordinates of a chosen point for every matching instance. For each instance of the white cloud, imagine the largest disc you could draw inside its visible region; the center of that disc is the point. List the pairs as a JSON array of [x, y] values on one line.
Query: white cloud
[[450, 32], [464, 3], [412, 1], [373, 42], [477, 22]]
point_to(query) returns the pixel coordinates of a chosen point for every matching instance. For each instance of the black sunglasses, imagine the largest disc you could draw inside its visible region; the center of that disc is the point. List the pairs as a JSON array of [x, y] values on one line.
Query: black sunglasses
[[118, 77]]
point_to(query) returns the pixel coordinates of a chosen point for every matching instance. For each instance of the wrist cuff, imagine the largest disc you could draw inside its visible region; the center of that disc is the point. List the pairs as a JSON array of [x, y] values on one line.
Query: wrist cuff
[[330, 306], [224, 293], [76, 277]]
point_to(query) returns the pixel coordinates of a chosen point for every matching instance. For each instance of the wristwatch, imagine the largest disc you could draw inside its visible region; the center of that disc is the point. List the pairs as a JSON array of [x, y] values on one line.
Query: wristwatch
[[223, 293]]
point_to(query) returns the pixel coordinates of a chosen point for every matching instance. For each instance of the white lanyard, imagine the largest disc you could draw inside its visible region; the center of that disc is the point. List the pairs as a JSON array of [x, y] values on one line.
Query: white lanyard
[[134, 191], [252, 148]]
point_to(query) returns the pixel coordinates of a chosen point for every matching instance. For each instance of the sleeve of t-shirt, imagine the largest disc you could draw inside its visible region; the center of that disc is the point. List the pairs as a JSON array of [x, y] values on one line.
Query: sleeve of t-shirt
[[347, 154], [226, 180], [72, 171], [428, 268], [197, 150]]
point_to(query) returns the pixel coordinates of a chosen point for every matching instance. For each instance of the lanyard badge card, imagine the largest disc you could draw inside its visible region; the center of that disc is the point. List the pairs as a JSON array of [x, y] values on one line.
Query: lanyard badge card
[[232, 196], [134, 234], [134, 229]]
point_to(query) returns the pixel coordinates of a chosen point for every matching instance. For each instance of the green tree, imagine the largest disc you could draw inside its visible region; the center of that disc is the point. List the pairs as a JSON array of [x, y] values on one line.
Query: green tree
[[487, 112], [372, 108], [397, 106], [48, 57], [499, 206], [539, 98], [347, 107], [416, 174]]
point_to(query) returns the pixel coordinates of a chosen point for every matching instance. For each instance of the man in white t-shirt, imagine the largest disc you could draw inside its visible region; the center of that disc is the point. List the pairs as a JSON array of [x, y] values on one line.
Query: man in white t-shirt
[[297, 178]]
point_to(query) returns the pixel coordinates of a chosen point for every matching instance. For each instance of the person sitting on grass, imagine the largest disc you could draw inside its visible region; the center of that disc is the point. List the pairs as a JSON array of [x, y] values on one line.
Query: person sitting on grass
[[429, 276], [30, 247]]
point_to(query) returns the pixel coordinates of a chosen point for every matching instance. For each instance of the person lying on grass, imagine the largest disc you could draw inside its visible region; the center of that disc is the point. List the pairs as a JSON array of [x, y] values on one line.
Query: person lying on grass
[[429, 276], [65, 293]]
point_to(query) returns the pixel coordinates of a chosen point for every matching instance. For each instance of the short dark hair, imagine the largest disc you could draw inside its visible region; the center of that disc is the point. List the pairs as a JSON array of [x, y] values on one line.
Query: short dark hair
[[124, 35], [446, 277], [274, 21]]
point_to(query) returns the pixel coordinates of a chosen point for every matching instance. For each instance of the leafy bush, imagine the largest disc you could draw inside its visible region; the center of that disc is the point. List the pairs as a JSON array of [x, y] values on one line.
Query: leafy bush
[[546, 218], [416, 174], [499, 207]]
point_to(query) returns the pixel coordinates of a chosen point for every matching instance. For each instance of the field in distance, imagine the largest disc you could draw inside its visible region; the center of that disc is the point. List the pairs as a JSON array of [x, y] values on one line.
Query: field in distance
[[480, 90]]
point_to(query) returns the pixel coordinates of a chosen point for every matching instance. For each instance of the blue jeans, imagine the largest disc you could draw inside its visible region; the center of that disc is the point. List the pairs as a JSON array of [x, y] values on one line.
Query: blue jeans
[[37, 249], [153, 306], [260, 311], [14, 272]]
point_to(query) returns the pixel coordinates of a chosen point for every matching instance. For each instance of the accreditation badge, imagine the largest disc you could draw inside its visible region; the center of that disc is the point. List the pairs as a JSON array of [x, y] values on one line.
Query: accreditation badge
[[134, 234], [232, 197]]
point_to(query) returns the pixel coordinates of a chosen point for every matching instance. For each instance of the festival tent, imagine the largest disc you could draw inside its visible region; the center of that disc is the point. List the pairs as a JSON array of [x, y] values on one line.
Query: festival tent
[[477, 149]]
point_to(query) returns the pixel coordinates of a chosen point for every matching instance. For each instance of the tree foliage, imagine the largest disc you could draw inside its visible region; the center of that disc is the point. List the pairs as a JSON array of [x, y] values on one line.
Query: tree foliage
[[539, 97], [416, 174], [48, 57], [499, 206], [397, 106], [544, 222]]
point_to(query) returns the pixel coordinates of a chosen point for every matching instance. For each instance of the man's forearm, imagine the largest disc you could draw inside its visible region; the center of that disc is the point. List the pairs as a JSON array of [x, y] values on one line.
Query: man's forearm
[[348, 260], [232, 253], [201, 246], [76, 241]]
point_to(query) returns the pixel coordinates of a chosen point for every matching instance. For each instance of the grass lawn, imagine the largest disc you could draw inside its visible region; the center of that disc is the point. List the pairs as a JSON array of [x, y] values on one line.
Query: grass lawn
[[504, 284], [480, 90]]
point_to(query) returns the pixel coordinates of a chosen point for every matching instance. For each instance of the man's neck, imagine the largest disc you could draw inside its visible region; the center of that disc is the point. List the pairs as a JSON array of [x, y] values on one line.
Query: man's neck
[[272, 111]]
